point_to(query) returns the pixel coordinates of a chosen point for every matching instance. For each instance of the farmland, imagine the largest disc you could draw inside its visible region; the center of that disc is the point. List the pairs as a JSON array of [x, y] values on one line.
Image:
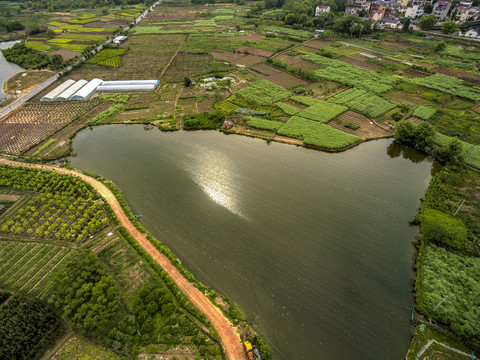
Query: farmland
[[364, 102], [108, 57], [322, 111], [24, 128], [264, 92], [317, 134], [424, 112], [344, 73], [264, 124]]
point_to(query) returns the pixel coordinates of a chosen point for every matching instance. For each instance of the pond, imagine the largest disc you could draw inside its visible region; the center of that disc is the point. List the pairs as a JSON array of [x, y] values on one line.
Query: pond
[[7, 69], [316, 247]]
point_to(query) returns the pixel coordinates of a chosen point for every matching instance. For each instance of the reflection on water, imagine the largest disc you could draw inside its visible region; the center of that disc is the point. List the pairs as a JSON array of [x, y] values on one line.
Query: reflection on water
[[394, 150], [213, 172]]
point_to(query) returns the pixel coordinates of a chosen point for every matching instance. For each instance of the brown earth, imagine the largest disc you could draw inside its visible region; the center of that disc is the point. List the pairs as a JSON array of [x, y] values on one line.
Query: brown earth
[[361, 63], [285, 80], [254, 51], [227, 333], [65, 54], [9, 197], [233, 57], [458, 74], [266, 69], [317, 44], [368, 129], [248, 60]]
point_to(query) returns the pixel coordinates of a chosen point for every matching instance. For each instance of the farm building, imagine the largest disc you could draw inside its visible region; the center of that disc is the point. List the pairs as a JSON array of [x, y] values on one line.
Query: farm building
[[86, 90], [58, 90], [128, 86], [119, 39], [64, 96]]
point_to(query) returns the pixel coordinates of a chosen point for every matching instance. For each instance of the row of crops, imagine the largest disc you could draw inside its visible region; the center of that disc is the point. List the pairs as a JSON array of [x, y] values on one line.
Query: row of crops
[[363, 101], [424, 112], [289, 31], [25, 128], [351, 75], [264, 92], [448, 85], [47, 216], [317, 134], [108, 57], [24, 266]]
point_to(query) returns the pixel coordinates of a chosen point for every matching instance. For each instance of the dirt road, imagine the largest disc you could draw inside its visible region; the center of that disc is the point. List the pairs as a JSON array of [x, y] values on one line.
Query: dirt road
[[228, 336]]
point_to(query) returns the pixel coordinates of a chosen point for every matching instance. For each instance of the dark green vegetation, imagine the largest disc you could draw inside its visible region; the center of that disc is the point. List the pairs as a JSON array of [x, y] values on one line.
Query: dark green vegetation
[[28, 326], [26, 57], [449, 264], [95, 284], [211, 120]]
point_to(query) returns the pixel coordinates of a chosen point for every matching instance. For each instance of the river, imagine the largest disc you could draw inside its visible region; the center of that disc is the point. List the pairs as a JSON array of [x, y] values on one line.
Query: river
[[7, 69], [315, 246]]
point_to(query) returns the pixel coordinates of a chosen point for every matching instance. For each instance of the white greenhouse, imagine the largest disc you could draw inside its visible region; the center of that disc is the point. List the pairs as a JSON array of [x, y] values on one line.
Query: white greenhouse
[[64, 96], [86, 90], [129, 85], [58, 90]]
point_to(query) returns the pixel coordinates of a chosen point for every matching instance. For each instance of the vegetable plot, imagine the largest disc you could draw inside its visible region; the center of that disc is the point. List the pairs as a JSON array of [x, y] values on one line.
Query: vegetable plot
[[364, 102], [264, 92], [448, 85], [108, 57], [317, 134], [264, 124], [322, 111]]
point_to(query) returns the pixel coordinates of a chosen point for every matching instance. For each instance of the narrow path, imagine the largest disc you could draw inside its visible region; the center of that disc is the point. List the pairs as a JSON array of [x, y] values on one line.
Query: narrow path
[[228, 336], [441, 344]]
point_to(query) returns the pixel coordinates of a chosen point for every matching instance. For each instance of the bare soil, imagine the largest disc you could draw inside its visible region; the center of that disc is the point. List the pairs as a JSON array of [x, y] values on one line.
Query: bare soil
[[318, 44], [254, 51], [270, 70], [65, 54], [25, 81], [248, 60], [9, 197], [352, 60], [226, 332], [368, 129], [459, 75]]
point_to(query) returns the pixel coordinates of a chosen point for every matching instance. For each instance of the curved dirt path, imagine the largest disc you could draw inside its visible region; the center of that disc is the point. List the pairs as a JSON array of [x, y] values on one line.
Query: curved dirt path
[[228, 336]]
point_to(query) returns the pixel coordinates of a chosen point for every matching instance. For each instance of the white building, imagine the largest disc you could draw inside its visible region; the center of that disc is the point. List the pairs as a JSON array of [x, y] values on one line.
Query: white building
[[119, 39], [321, 9], [440, 9], [58, 90], [414, 11]]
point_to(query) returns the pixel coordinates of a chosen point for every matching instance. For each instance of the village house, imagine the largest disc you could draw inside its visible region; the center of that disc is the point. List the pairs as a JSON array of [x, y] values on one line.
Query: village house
[[321, 9], [440, 9]]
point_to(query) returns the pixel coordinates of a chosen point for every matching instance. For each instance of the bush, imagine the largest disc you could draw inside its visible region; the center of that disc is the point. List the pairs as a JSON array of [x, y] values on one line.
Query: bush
[[446, 230]]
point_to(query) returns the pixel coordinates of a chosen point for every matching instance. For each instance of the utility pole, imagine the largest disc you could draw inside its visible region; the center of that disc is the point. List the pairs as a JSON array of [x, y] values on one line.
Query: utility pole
[[463, 201]]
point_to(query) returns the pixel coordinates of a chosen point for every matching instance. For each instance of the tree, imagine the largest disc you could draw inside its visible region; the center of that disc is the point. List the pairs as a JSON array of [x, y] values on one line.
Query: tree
[[441, 45], [449, 27], [451, 152], [290, 19], [427, 21], [427, 8]]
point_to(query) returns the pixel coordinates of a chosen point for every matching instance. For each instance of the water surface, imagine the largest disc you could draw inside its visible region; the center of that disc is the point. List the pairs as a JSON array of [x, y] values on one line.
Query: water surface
[[7, 69], [316, 247]]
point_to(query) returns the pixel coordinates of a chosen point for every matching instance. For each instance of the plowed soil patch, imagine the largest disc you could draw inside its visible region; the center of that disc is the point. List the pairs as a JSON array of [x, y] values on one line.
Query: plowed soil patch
[[254, 51], [367, 128]]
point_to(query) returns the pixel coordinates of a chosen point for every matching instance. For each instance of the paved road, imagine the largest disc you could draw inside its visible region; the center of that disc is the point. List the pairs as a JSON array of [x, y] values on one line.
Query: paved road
[[54, 78], [228, 335], [28, 96]]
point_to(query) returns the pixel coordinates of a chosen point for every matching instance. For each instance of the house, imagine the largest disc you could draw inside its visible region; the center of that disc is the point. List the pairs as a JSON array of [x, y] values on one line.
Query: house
[[466, 13], [119, 39], [352, 10], [318, 33], [390, 23], [376, 15], [440, 9], [322, 9], [414, 9], [227, 125]]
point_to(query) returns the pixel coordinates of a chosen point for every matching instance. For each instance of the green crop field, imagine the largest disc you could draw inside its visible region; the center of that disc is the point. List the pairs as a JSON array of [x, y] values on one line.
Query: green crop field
[[364, 102], [264, 124], [424, 112], [37, 45], [59, 41], [455, 64], [288, 109], [223, 12], [288, 31], [223, 18], [304, 100], [108, 57], [350, 75], [317, 134], [264, 92], [82, 37], [322, 111], [448, 85], [73, 47], [205, 23]]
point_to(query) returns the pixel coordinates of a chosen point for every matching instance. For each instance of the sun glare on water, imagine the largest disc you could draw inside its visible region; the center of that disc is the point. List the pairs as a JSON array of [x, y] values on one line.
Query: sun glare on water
[[217, 177]]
